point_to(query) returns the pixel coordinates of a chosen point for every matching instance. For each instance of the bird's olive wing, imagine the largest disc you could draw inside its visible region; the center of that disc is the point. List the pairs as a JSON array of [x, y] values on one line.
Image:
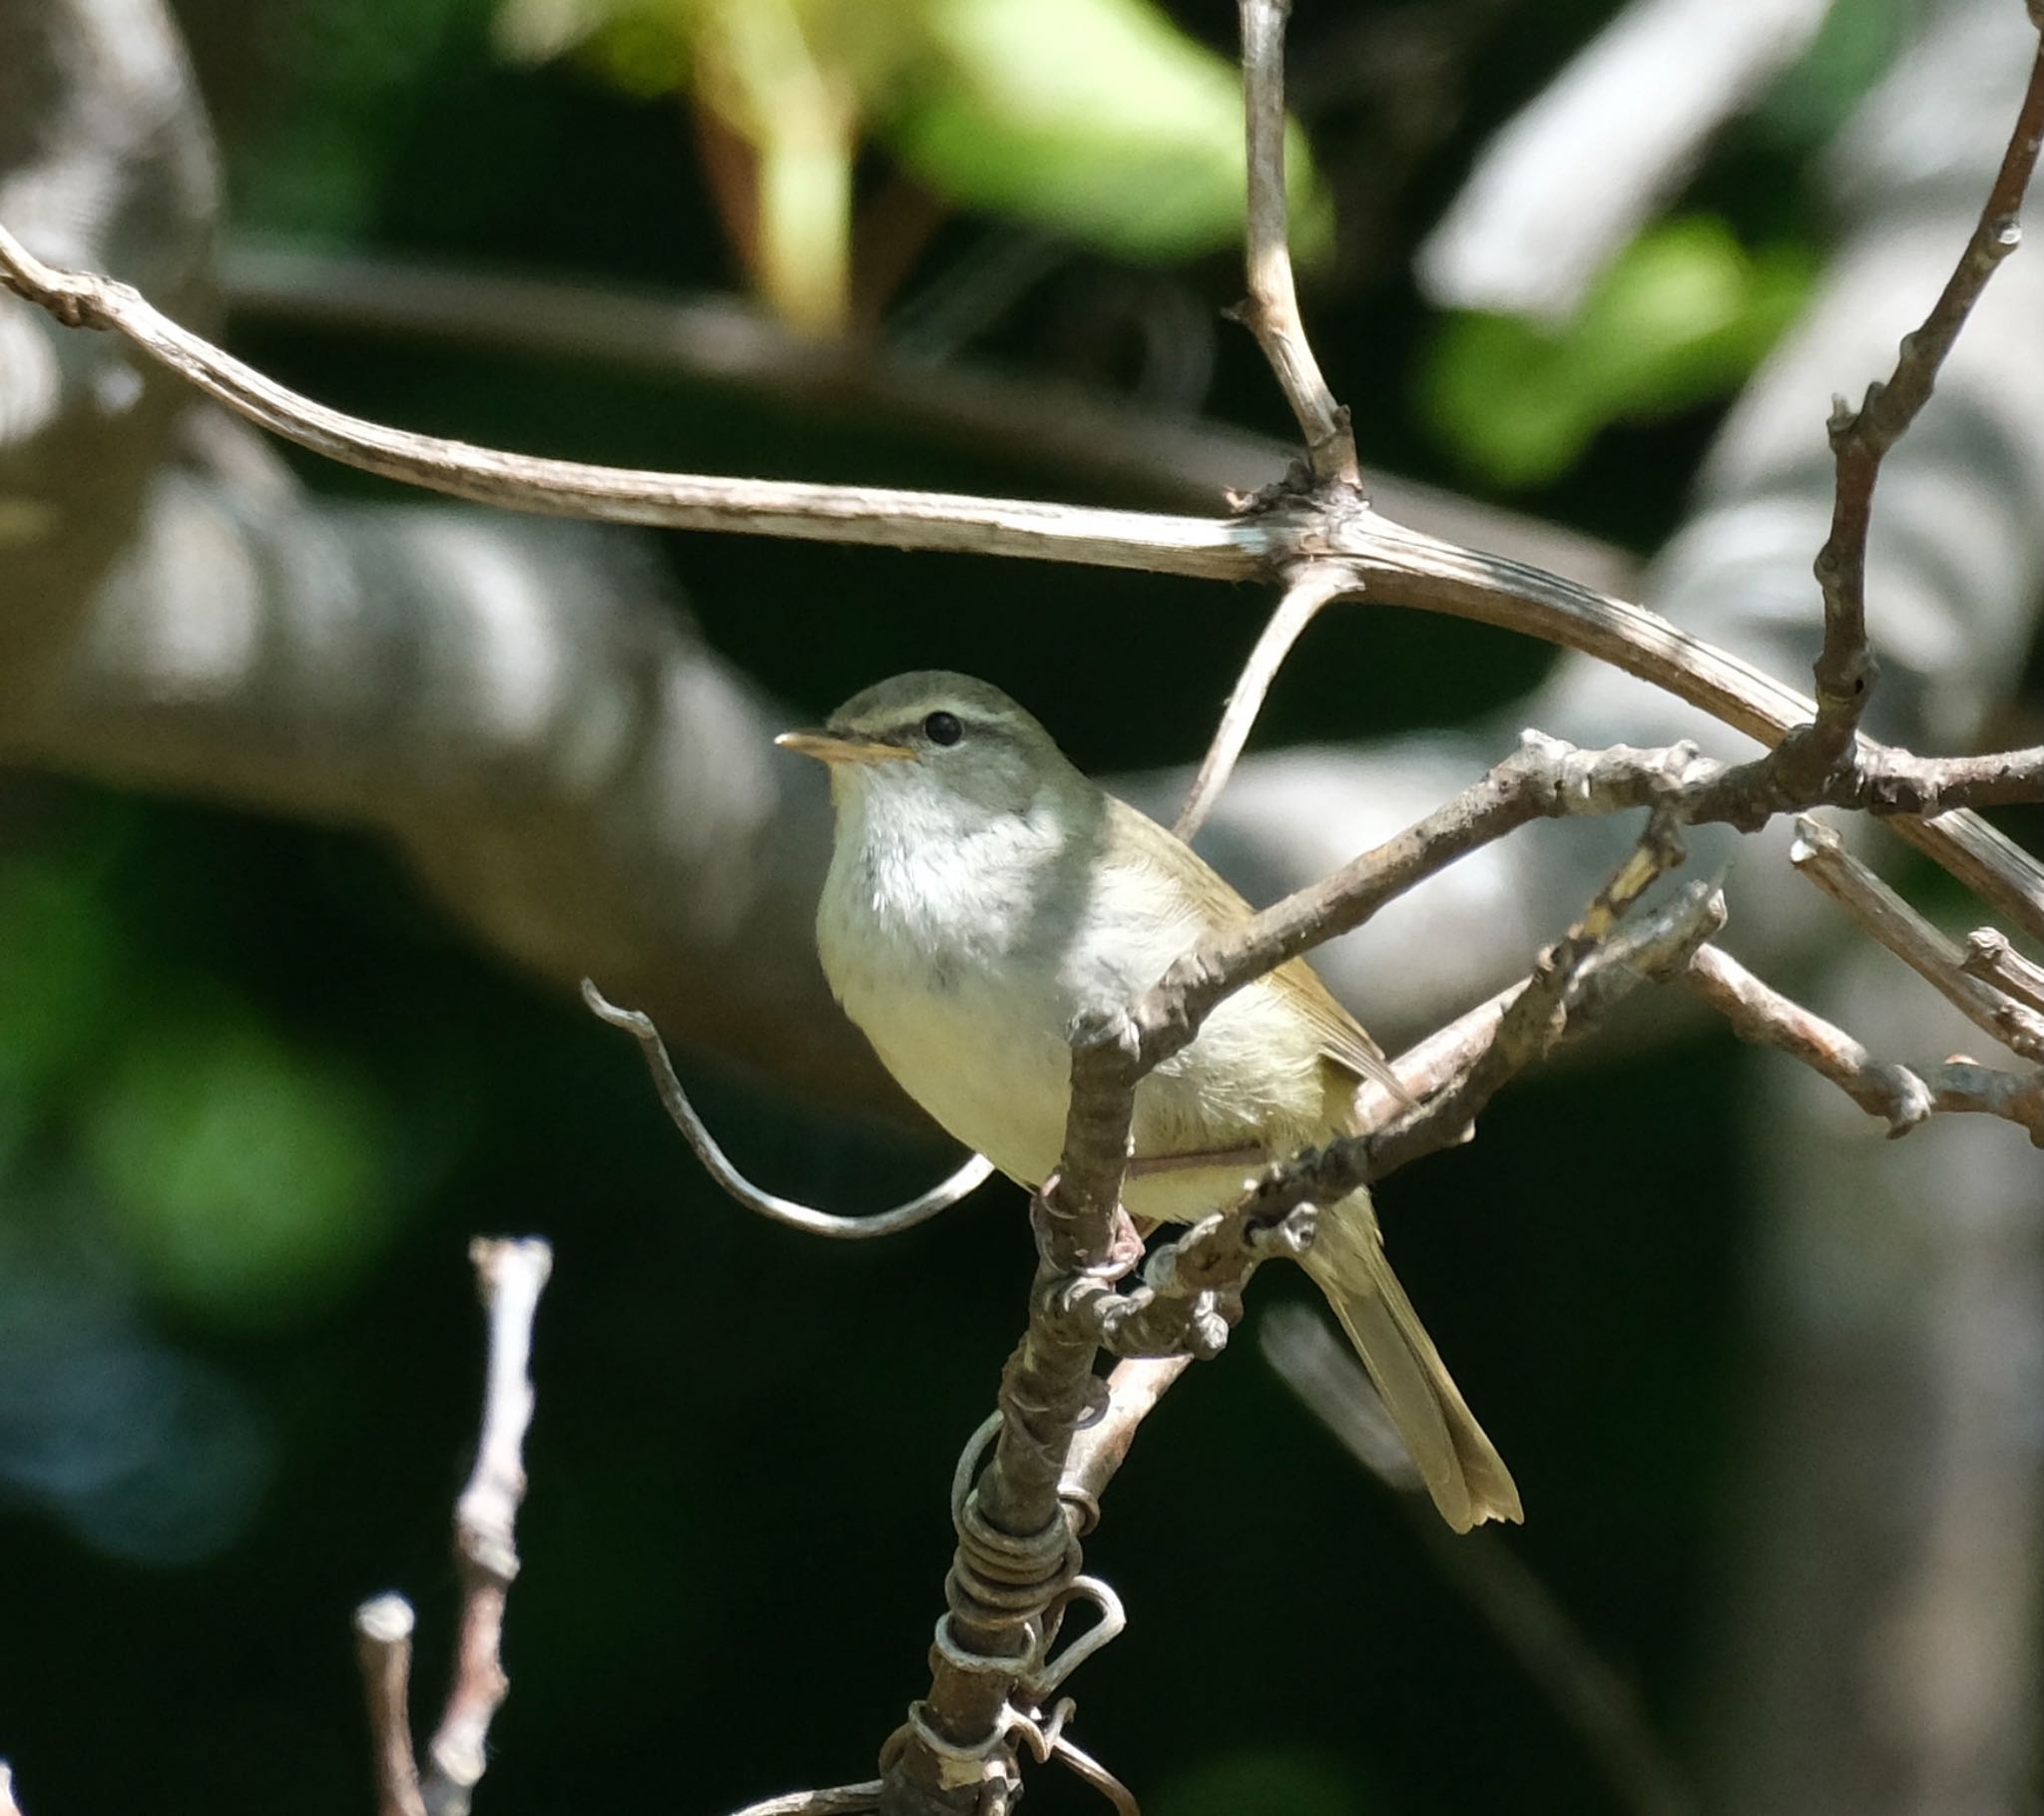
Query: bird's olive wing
[[1344, 1045]]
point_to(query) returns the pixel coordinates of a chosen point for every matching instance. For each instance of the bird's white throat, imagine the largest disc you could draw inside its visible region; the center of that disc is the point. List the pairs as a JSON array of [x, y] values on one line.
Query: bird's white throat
[[931, 935]]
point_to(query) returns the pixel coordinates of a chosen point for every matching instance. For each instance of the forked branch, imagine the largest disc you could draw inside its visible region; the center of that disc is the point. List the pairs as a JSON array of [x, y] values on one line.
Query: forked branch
[[510, 1276], [1861, 438]]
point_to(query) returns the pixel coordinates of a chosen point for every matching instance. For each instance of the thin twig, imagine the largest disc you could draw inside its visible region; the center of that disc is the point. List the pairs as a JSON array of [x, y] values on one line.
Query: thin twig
[[1990, 958], [1217, 547], [1089, 1772], [1544, 778], [968, 1179], [844, 1800], [1576, 981], [1298, 607], [511, 1276], [1904, 1097], [1137, 1384], [1819, 854], [1272, 312], [1192, 1286], [1432, 1064], [1102, 1447], [1396, 566], [1534, 1625], [1017, 1548], [1845, 668], [383, 1631]]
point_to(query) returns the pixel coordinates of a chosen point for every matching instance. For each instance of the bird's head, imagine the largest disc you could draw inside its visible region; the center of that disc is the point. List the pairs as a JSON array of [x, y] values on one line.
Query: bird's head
[[939, 749]]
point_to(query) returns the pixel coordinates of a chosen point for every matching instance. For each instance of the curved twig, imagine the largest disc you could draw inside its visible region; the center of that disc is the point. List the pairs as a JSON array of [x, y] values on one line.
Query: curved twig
[[1392, 564], [1300, 604], [968, 1179]]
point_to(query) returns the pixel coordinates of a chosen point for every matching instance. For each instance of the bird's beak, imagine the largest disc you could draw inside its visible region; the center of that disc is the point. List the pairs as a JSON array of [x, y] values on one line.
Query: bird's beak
[[829, 746]]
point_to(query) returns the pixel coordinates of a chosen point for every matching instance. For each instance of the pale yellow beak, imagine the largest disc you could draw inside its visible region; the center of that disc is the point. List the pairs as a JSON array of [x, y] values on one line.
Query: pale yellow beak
[[842, 747]]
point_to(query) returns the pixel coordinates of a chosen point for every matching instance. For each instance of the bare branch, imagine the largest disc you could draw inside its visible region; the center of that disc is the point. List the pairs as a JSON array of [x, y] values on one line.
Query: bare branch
[[1305, 594], [1191, 1287], [1160, 458], [1819, 854], [1544, 780], [1272, 312], [968, 1179], [1433, 1063], [1576, 982], [1990, 958], [383, 1631], [1017, 1548], [511, 1276], [1391, 562], [1102, 1446], [1401, 568], [846, 1800], [1087, 1770], [1845, 668], [1904, 1097], [1216, 547]]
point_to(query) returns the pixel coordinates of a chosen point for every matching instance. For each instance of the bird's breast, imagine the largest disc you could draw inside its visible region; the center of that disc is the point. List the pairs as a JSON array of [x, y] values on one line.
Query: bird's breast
[[973, 1041], [972, 1014]]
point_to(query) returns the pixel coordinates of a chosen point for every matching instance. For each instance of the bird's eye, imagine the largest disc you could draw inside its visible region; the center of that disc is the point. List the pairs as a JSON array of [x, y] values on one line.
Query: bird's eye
[[942, 728]]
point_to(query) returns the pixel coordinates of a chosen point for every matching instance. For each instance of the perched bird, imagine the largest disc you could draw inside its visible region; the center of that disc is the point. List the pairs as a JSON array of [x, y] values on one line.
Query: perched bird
[[984, 895]]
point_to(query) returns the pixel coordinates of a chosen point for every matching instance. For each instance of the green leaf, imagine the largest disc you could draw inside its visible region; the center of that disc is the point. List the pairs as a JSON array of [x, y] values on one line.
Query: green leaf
[[247, 1173], [1683, 316], [1095, 117]]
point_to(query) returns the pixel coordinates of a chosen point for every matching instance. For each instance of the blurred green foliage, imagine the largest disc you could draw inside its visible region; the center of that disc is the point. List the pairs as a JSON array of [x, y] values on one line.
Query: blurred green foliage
[[1682, 316], [247, 1173], [62, 961], [1098, 118]]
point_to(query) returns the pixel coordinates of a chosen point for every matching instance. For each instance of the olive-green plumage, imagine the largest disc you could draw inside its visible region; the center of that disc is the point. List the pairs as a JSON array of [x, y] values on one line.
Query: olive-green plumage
[[983, 895]]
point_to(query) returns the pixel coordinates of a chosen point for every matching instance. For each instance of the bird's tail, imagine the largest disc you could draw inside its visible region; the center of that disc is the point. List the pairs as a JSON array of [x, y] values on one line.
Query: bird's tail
[[1460, 1466]]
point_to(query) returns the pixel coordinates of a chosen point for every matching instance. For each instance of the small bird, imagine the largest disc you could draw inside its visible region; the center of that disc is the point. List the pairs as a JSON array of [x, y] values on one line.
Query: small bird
[[984, 895]]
